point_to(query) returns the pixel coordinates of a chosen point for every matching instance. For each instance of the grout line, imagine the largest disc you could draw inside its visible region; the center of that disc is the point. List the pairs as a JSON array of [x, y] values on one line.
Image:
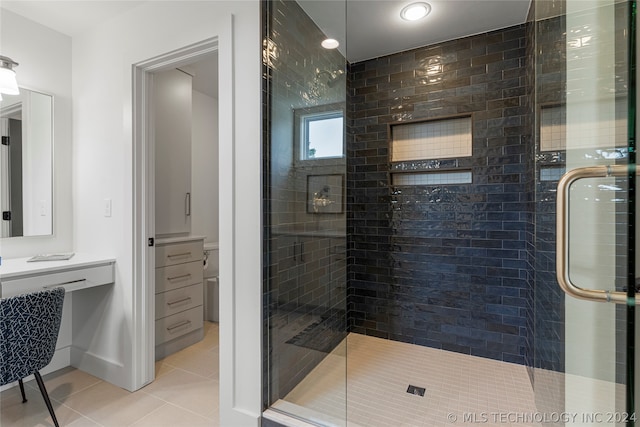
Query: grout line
[[152, 412]]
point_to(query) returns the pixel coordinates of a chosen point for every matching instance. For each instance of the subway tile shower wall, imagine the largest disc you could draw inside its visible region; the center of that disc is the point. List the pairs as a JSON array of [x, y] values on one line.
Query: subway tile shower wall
[[549, 299], [445, 266], [530, 183]]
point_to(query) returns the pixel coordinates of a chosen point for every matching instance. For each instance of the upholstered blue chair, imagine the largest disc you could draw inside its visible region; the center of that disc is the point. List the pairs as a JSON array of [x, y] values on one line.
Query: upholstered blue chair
[[29, 326]]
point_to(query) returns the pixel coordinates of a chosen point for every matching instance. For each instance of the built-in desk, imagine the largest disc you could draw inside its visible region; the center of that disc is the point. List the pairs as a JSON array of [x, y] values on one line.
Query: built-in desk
[[18, 276], [84, 275]]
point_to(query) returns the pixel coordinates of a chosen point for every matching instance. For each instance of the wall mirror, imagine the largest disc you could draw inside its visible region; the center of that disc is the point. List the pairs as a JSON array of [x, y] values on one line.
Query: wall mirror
[[26, 164]]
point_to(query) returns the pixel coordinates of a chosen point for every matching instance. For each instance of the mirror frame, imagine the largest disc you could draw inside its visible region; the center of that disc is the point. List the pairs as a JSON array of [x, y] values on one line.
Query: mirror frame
[[40, 220]]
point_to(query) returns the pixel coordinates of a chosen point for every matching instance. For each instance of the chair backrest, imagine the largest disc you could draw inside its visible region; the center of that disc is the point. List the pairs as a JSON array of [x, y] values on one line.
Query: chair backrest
[[29, 326]]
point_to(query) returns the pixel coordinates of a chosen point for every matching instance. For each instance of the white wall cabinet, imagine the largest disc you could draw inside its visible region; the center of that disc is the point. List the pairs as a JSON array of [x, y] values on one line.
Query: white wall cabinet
[[172, 94]]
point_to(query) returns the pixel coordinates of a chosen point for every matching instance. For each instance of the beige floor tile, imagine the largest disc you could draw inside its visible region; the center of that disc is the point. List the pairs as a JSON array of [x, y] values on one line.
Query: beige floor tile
[[65, 382], [82, 422], [211, 337], [34, 412], [82, 400], [195, 360], [163, 367], [172, 416], [187, 390], [112, 406]]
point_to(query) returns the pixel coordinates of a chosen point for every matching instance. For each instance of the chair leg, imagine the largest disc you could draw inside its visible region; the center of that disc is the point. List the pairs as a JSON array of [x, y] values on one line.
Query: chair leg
[[24, 397], [45, 395]]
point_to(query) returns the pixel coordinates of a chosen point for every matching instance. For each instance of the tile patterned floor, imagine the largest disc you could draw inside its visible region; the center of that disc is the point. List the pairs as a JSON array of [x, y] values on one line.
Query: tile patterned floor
[[379, 371], [185, 393]]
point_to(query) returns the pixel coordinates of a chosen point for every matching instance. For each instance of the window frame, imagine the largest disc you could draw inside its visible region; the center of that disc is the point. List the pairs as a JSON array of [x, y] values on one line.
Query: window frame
[[302, 118]]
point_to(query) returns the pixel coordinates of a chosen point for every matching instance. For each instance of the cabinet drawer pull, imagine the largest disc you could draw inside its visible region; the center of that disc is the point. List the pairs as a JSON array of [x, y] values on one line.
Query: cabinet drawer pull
[[70, 282], [180, 278], [187, 299], [179, 325], [183, 254]]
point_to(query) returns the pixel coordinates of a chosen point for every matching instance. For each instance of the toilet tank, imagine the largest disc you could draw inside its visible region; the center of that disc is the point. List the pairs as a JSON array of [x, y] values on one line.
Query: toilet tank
[[211, 268]]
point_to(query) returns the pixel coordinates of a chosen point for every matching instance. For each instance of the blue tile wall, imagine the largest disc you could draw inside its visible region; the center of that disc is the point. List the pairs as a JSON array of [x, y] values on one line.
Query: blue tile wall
[[530, 183], [446, 266], [549, 299]]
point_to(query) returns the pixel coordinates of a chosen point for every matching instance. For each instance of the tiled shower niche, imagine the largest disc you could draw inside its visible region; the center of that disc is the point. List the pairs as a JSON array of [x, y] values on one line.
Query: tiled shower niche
[[436, 139], [416, 146]]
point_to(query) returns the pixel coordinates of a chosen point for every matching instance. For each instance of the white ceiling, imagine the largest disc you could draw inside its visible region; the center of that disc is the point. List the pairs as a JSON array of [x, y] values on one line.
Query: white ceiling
[[69, 17], [75, 17], [205, 74], [374, 27]]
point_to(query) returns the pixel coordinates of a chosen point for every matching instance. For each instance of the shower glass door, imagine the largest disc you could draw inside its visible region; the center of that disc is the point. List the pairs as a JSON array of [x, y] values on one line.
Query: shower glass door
[[305, 211], [585, 213]]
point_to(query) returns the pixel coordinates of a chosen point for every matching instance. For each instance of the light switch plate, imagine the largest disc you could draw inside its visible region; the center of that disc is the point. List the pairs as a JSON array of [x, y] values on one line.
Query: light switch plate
[[107, 207]]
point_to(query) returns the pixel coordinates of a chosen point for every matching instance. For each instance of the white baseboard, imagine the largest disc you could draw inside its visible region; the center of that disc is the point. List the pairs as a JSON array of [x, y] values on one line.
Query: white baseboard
[[105, 369]]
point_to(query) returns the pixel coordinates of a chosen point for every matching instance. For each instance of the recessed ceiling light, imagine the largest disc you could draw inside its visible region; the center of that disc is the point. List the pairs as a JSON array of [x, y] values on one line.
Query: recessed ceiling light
[[330, 43], [415, 11]]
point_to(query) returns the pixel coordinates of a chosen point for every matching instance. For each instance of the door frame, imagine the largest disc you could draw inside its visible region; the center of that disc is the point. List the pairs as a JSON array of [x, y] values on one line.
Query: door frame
[[143, 369]]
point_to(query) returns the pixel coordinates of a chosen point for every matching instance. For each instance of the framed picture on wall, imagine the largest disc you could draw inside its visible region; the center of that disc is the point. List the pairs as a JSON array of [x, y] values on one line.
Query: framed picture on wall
[[325, 194]]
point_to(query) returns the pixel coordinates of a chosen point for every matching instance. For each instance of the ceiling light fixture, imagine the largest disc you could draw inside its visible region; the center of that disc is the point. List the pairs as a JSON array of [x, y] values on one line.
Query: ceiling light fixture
[[330, 43], [8, 83], [415, 11]]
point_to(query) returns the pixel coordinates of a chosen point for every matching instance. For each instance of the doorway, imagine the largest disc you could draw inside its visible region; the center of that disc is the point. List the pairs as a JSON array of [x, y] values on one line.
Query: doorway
[[189, 57]]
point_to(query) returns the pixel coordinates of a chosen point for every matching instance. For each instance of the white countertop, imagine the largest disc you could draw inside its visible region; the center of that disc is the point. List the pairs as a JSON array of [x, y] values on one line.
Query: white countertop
[[167, 240], [15, 267]]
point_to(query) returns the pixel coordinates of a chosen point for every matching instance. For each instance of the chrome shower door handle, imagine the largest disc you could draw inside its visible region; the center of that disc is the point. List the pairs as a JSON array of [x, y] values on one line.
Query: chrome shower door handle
[[562, 234]]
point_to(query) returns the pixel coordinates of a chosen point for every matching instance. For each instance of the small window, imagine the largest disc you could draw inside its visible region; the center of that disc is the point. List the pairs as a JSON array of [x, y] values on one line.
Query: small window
[[319, 133], [322, 136]]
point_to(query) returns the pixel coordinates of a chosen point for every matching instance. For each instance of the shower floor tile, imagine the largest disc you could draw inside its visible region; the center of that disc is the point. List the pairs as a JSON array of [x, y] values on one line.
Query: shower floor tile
[[460, 389]]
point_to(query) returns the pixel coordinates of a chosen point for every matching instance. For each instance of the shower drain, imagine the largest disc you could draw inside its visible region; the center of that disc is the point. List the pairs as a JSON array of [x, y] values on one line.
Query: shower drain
[[418, 391]]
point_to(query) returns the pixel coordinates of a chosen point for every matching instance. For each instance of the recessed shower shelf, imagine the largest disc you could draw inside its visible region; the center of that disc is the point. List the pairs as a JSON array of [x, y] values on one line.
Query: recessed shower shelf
[[432, 177]]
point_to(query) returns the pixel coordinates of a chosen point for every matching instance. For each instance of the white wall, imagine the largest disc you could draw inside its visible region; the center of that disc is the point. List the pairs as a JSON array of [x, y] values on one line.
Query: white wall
[[204, 167], [103, 159], [44, 56]]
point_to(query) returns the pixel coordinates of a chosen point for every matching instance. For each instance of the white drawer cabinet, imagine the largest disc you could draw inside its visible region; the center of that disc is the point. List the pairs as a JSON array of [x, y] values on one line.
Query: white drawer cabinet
[[179, 253], [178, 276], [178, 324], [179, 294], [177, 300]]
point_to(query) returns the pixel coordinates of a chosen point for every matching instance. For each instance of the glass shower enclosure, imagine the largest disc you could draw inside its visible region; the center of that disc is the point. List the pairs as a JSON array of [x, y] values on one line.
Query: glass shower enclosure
[[580, 196], [305, 210], [585, 210]]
